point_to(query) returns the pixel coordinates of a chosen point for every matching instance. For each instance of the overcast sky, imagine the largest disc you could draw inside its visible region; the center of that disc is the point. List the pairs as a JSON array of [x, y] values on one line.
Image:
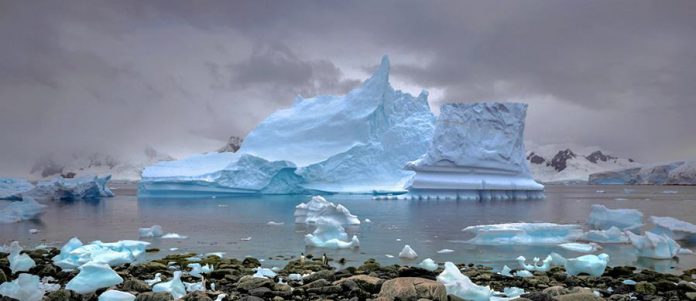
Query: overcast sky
[[182, 76]]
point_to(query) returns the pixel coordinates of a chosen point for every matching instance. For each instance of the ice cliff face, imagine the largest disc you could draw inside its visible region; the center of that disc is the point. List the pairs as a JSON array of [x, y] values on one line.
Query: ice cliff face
[[674, 173], [354, 143], [476, 148]]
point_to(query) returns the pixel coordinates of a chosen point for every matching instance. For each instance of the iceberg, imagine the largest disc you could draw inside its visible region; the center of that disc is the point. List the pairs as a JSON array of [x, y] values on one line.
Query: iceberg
[[330, 234], [13, 188], [654, 246], [68, 189], [174, 287], [318, 207], [26, 209], [613, 235], [524, 233], [19, 262], [477, 152], [580, 247], [92, 277], [73, 254], [154, 231], [355, 143], [603, 218], [461, 286], [26, 287], [672, 173], [544, 267], [408, 253], [428, 264], [114, 295], [674, 228], [524, 274], [592, 265]]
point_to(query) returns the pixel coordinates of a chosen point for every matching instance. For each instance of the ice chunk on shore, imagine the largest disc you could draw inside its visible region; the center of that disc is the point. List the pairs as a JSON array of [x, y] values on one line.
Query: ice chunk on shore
[[356, 143], [156, 279], [26, 209], [477, 152], [26, 287], [74, 254], [92, 277], [612, 235], [154, 231], [194, 286], [524, 233], [197, 269], [114, 295], [524, 274], [654, 246], [318, 207], [603, 218], [264, 273], [14, 188], [428, 264], [580, 247], [460, 285], [330, 234], [544, 267], [408, 253], [674, 228], [593, 265], [19, 262], [174, 286]]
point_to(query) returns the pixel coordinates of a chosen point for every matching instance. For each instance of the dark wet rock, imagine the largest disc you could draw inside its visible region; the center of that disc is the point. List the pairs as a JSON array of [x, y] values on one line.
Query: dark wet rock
[[538, 296], [645, 288], [664, 285], [365, 282], [316, 283], [412, 288], [63, 295], [150, 296], [6, 298], [417, 272], [251, 263], [326, 275], [555, 290], [221, 273], [197, 296], [686, 286], [262, 292], [135, 285], [47, 270], [147, 268], [620, 271], [370, 265], [3, 277], [248, 283], [578, 297], [325, 290], [251, 298], [152, 250]]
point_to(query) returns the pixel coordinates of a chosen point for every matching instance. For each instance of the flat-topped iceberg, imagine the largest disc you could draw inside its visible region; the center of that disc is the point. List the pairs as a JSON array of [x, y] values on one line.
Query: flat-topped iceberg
[[477, 152], [603, 218], [674, 228], [356, 143], [613, 235], [57, 188], [308, 213], [654, 246], [524, 233], [16, 211]]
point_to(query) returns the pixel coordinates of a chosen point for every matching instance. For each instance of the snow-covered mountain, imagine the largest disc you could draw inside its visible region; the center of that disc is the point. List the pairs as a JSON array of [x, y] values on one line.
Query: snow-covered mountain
[[672, 173], [88, 164], [565, 163]]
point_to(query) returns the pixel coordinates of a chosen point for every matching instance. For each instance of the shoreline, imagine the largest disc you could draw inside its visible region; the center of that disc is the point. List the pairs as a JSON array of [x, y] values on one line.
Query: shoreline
[[369, 280]]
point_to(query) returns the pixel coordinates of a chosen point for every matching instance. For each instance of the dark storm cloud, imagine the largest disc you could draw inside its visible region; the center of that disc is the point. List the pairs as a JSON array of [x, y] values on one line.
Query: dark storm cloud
[[184, 75]]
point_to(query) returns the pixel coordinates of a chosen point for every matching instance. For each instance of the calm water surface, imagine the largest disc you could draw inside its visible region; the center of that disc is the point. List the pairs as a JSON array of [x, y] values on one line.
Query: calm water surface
[[218, 225]]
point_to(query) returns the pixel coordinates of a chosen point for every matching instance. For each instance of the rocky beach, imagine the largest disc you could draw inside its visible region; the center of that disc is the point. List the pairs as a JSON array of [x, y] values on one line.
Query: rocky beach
[[329, 279]]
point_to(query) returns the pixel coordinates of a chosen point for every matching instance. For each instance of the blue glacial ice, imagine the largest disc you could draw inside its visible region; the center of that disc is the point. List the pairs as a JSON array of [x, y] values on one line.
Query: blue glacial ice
[[81, 188], [16, 211], [19, 262], [603, 218], [674, 228], [14, 188], [92, 277], [580, 247], [197, 270], [174, 287], [329, 234], [654, 246], [356, 143], [613, 235], [114, 295], [156, 279], [264, 273], [460, 285], [545, 265], [524, 233], [308, 213], [26, 287], [194, 286], [154, 231], [592, 265], [477, 152], [74, 254], [428, 264]]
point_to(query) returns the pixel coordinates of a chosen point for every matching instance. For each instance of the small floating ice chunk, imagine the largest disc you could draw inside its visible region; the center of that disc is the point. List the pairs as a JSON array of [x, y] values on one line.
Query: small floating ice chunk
[[153, 281], [174, 286], [524, 233], [19, 262], [593, 265], [674, 228], [603, 218], [443, 251], [154, 231], [17, 211], [428, 264], [654, 246], [330, 234], [408, 253], [173, 249], [670, 191], [459, 285], [272, 223], [580, 247], [612, 235], [264, 273], [174, 236], [114, 295], [92, 277], [34, 231], [318, 207], [389, 255], [248, 238], [367, 220], [26, 287]]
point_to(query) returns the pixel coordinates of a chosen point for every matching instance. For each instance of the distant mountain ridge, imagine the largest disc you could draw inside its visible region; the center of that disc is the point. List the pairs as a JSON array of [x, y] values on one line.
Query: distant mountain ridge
[[568, 163]]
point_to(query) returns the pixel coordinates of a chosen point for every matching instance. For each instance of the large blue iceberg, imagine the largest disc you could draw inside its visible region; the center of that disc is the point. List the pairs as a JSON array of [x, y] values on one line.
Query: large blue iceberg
[[356, 143]]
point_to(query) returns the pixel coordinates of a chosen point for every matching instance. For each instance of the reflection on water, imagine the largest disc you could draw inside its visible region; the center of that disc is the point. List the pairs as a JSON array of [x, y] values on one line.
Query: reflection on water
[[219, 224]]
